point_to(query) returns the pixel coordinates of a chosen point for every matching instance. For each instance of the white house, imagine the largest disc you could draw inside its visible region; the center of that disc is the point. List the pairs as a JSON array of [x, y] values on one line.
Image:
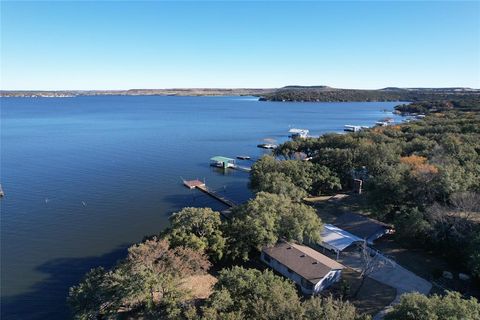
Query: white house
[[308, 268]]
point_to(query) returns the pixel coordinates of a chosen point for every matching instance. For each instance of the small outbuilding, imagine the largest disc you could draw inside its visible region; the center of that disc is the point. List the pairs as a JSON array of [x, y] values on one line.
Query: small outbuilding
[[308, 268]]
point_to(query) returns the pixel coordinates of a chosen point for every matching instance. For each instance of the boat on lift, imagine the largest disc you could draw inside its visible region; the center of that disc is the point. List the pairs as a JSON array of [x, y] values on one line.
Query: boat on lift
[[298, 133], [267, 146]]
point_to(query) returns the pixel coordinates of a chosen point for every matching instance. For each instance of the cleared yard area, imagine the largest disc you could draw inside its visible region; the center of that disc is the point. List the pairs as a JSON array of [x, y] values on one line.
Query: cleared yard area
[[373, 296]]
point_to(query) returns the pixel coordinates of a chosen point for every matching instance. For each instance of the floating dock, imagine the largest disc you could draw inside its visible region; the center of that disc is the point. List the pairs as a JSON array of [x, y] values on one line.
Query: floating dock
[[242, 168], [192, 184], [267, 146], [200, 185]]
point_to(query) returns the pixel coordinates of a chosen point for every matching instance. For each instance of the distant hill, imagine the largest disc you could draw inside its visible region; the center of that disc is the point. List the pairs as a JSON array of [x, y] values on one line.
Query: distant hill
[[138, 92], [327, 94]]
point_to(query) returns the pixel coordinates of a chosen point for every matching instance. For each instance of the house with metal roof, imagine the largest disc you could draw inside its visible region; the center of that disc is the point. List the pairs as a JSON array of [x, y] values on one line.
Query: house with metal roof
[[308, 268]]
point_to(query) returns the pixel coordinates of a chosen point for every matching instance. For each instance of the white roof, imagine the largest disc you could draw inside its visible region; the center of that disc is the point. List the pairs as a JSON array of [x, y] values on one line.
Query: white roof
[[293, 130], [336, 238]]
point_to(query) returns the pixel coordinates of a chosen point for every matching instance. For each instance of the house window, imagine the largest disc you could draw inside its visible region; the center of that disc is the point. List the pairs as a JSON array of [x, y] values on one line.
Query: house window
[[266, 257]]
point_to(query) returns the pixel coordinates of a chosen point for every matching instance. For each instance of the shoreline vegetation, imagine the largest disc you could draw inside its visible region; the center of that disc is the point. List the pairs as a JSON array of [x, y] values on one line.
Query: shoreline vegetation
[[423, 177]]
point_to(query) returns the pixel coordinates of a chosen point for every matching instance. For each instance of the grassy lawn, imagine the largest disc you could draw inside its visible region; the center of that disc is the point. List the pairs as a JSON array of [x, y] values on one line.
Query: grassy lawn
[[373, 295]]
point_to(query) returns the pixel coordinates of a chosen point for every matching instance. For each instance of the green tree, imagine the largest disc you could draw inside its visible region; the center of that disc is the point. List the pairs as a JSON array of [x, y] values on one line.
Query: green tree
[[324, 180], [251, 294], [330, 309], [267, 218], [299, 172], [199, 229], [474, 255], [452, 306], [147, 281], [95, 295], [280, 183], [155, 266]]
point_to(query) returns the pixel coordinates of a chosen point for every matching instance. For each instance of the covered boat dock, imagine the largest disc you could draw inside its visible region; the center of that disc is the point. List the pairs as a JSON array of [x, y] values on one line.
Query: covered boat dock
[[222, 162]]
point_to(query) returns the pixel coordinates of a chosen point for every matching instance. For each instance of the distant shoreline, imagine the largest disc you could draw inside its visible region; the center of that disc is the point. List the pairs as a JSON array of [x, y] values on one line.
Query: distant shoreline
[[135, 92], [285, 94]]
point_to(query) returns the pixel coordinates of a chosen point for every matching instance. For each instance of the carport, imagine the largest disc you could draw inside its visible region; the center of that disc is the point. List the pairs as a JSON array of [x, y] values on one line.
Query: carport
[[336, 239]]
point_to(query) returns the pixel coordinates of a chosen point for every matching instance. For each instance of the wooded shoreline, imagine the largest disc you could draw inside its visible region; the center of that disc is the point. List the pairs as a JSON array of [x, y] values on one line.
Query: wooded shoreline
[[284, 94]]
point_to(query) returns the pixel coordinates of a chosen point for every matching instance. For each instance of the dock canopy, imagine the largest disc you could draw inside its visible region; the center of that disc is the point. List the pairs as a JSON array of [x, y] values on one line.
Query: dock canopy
[[294, 130], [302, 133], [223, 162], [222, 159], [336, 239]]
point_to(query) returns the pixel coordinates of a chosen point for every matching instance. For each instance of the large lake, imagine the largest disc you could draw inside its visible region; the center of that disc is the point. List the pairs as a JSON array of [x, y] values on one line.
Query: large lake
[[85, 177]]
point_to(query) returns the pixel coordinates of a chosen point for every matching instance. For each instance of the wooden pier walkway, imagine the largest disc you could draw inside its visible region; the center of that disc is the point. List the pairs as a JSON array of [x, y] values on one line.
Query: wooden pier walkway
[[200, 185]]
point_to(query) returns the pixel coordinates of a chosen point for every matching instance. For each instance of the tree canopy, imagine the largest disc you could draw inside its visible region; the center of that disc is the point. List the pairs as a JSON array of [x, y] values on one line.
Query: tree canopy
[[146, 281], [415, 306], [199, 229], [252, 294], [281, 177], [409, 172], [268, 218]]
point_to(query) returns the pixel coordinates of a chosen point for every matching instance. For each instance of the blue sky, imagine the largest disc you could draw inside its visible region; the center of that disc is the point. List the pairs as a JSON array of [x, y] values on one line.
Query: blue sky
[[121, 45]]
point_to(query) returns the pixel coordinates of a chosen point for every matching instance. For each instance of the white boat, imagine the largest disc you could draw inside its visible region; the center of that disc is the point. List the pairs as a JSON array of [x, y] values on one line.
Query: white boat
[[267, 146], [298, 133]]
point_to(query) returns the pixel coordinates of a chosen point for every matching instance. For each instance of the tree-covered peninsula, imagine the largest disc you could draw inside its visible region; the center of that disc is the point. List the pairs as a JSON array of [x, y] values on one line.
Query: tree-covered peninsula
[[329, 94]]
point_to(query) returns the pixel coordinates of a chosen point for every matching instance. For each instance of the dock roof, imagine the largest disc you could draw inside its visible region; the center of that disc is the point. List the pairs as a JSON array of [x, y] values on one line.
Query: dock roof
[[295, 130], [222, 159]]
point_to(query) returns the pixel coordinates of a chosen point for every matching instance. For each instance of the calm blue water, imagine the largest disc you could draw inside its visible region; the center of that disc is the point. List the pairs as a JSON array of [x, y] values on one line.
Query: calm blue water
[[85, 177]]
